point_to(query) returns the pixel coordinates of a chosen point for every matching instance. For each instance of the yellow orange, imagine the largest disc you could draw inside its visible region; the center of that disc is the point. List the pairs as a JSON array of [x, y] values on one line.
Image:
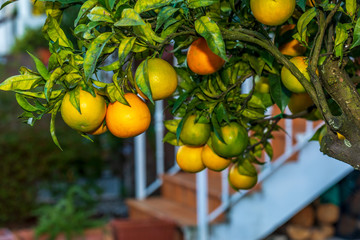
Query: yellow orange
[[299, 102], [241, 181], [93, 110], [289, 80], [189, 159], [272, 12], [162, 79], [213, 161]]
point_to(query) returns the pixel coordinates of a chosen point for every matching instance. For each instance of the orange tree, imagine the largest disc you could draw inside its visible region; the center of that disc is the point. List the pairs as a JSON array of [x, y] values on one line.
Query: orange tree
[[229, 41]]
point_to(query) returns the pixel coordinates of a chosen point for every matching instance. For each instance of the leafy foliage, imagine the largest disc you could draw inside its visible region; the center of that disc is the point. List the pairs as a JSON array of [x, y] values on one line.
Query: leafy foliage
[[132, 30]]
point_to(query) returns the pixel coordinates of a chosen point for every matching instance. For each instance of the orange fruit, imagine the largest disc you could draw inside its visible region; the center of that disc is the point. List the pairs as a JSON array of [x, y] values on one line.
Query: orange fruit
[[340, 136], [299, 102], [240, 181], [189, 159], [272, 12], [289, 80], [93, 110], [235, 137], [310, 3], [128, 121], [292, 48], [162, 79], [262, 85], [213, 161], [100, 130], [201, 60], [194, 134]]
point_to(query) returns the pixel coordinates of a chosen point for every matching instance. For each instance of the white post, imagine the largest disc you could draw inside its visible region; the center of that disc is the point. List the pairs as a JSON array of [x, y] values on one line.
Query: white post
[[159, 134], [140, 166], [202, 204], [289, 133], [24, 15], [225, 186]]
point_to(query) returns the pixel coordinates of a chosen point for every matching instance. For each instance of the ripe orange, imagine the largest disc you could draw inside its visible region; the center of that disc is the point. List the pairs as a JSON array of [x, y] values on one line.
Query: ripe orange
[[289, 80], [292, 48], [100, 130], [201, 60], [310, 3], [262, 85], [194, 134], [272, 12], [235, 137], [212, 161], [299, 102], [128, 121], [93, 110], [162, 79], [189, 159], [239, 181]]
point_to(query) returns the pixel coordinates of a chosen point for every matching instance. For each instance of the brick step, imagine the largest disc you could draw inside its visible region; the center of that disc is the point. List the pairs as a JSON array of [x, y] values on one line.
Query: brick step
[[162, 208]]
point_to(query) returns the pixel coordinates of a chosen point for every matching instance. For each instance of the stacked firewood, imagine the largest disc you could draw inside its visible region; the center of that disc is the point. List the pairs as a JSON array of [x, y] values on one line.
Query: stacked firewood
[[314, 222]]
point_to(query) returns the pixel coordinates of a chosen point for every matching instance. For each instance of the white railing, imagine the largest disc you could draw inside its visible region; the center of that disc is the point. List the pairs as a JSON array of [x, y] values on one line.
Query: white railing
[[227, 199]]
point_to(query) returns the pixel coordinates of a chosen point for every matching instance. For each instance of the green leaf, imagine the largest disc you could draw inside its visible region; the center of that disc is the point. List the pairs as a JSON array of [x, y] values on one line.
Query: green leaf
[[115, 94], [25, 105], [172, 125], [301, 4], [164, 15], [52, 124], [55, 75], [7, 3], [170, 138], [356, 40], [279, 93], [94, 52], [221, 113], [56, 34], [146, 5], [217, 128], [147, 32], [40, 67], [171, 29], [252, 114], [100, 14], [201, 3], [142, 79], [179, 101], [75, 98], [246, 168], [316, 136], [256, 102], [129, 18], [269, 150], [111, 67], [84, 8], [211, 32], [341, 37], [304, 20], [20, 82], [125, 48], [351, 7], [185, 81]]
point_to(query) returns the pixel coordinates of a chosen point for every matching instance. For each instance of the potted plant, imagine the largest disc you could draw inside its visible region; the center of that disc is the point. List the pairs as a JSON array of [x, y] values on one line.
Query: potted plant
[[70, 218]]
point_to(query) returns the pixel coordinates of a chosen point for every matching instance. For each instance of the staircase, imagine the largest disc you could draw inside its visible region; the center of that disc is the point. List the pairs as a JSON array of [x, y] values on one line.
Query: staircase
[[177, 202], [291, 181]]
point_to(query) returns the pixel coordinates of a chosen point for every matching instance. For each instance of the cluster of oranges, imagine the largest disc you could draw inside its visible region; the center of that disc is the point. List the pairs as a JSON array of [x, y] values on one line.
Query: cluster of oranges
[[203, 148], [96, 117]]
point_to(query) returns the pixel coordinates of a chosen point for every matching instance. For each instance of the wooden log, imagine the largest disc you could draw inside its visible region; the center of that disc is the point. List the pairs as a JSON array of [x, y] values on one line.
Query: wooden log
[[347, 225], [355, 203], [327, 213], [305, 218], [296, 232], [322, 232]]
